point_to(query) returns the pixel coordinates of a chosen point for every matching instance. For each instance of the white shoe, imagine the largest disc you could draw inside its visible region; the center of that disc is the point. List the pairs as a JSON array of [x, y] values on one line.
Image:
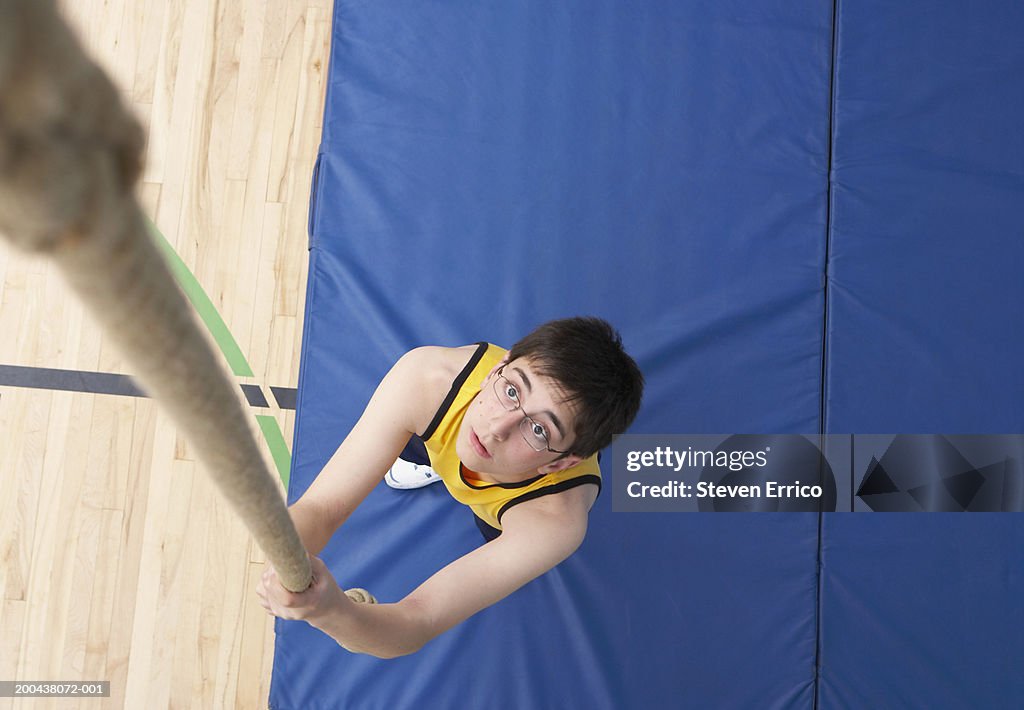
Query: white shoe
[[405, 475]]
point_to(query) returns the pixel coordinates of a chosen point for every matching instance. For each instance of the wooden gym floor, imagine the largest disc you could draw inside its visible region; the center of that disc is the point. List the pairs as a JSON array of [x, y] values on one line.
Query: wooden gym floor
[[118, 559]]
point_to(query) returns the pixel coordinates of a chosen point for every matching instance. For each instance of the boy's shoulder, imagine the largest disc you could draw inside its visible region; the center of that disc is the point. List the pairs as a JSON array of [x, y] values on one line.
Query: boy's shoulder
[[433, 368], [439, 364]]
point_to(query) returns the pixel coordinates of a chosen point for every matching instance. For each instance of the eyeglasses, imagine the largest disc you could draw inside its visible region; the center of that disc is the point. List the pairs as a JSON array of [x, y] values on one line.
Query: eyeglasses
[[533, 431]]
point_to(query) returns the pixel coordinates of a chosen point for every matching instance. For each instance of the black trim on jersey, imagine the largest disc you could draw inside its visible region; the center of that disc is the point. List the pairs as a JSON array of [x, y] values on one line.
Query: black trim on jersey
[[518, 484], [454, 391], [489, 532], [550, 490]]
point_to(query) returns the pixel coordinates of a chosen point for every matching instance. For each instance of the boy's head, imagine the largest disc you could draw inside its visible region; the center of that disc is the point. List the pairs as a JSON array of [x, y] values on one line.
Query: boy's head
[[559, 396], [584, 357]]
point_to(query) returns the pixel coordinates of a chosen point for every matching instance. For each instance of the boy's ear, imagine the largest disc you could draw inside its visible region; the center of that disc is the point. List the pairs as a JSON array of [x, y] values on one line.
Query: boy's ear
[[561, 464]]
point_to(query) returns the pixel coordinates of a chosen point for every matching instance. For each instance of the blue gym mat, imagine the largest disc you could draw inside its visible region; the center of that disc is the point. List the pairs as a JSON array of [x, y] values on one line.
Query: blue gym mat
[[926, 297], [696, 173]]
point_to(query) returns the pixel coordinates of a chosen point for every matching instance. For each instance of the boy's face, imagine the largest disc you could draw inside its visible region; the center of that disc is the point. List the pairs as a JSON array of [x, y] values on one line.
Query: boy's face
[[491, 439]]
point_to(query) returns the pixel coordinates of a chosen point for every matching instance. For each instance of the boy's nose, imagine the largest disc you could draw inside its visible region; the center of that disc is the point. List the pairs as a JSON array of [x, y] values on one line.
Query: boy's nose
[[503, 423]]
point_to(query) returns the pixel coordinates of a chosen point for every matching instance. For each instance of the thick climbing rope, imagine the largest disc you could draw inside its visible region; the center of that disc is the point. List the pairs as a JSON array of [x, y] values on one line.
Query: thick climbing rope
[[70, 154]]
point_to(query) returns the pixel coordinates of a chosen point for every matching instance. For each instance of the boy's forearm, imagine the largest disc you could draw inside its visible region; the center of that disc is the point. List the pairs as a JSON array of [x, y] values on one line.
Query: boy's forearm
[[381, 630], [313, 529]]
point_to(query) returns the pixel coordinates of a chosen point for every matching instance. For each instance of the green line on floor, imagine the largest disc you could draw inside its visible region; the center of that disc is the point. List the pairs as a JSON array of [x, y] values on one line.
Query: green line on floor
[[227, 344]]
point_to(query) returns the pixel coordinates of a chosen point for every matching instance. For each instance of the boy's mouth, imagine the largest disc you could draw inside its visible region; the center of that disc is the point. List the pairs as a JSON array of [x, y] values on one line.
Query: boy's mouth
[[480, 449]]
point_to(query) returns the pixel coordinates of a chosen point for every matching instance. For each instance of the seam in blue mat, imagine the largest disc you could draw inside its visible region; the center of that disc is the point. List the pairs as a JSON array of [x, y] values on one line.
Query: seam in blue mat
[[823, 411], [314, 200]]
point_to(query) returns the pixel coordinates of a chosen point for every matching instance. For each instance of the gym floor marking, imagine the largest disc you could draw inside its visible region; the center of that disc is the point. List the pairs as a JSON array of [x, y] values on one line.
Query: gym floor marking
[[109, 383]]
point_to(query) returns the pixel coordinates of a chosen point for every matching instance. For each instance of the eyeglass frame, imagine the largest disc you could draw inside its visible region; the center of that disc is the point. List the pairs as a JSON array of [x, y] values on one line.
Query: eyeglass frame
[[526, 417]]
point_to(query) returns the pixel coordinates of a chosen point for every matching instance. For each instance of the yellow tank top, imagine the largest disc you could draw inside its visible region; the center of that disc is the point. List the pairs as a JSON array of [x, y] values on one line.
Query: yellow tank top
[[489, 501]]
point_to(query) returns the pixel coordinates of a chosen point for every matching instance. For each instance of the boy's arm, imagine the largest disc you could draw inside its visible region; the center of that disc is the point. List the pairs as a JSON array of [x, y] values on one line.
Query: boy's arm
[[395, 411], [536, 536]]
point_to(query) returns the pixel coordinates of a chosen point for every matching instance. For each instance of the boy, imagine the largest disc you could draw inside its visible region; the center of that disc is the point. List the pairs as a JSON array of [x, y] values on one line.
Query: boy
[[513, 435]]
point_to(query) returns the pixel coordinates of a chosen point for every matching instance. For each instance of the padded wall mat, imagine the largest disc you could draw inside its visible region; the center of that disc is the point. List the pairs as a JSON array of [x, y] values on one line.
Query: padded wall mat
[[487, 168]]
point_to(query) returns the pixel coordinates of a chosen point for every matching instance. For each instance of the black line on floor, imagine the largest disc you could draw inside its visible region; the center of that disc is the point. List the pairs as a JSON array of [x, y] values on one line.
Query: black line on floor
[[108, 383]]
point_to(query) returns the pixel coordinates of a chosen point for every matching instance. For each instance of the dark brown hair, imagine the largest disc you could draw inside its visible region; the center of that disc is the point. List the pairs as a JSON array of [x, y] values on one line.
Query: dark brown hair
[[585, 357]]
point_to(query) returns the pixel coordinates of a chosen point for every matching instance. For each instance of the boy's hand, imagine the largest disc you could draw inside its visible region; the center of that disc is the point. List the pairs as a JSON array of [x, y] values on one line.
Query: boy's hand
[[319, 600]]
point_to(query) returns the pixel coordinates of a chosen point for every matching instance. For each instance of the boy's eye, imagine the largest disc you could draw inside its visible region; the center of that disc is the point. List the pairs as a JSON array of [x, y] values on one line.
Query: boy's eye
[[511, 392], [540, 433]]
